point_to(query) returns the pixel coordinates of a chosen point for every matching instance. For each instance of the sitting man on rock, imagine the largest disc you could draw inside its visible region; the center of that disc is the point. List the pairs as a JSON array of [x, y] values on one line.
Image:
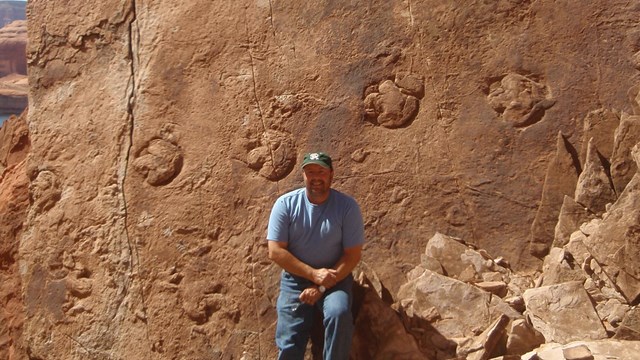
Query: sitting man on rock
[[316, 235]]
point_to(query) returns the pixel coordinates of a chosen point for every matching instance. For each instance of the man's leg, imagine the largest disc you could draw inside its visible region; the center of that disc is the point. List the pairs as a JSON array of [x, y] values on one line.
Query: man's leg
[[338, 321], [294, 321]]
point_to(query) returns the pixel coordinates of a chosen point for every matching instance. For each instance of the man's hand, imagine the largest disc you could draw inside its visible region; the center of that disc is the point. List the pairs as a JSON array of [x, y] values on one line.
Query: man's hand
[[325, 277], [310, 295]]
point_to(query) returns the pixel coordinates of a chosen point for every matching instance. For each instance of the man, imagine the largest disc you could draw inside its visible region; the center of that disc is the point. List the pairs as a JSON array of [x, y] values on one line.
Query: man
[[315, 235]]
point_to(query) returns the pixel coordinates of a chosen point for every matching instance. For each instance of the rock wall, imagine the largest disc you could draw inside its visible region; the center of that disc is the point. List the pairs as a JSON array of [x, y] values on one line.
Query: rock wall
[[14, 200], [162, 133]]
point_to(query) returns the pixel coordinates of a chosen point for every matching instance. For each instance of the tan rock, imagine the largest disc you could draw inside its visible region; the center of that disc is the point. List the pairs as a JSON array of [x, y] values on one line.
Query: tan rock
[[599, 350], [613, 244], [594, 189], [498, 288], [612, 312], [563, 313], [14, 200], [379, 332], [522, 337], [560, 267], [577, 352], [572, 215], [622, 165], [458, 260], [428, 298], [561, 178], [486, 343], [629, 329], [599, 127]]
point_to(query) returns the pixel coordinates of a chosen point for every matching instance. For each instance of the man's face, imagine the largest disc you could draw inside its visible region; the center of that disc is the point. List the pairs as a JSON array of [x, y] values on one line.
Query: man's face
[[317, 179]]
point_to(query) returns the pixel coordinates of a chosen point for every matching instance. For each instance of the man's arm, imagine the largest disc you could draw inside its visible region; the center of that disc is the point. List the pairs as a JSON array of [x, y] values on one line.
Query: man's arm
[[279, 254], [350, 258]]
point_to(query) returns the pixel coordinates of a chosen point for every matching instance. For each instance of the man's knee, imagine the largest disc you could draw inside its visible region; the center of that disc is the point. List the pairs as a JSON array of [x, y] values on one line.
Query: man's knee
[[337, 310]]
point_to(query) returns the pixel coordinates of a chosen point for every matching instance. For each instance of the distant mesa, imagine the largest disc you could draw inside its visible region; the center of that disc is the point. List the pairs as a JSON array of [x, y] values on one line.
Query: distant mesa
[[13, 67], [11, 11], [13, 45]]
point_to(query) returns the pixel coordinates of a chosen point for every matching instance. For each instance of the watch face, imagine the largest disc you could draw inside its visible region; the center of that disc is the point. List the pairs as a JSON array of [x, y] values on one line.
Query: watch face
[[321, 288]]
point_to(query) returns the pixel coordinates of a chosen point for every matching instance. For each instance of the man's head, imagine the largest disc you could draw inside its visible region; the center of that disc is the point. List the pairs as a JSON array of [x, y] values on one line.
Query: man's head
[[317, 171]]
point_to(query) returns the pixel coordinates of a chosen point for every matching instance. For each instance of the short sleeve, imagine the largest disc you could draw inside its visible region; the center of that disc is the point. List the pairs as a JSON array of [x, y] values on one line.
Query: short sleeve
[[353, 227], [278, 229]]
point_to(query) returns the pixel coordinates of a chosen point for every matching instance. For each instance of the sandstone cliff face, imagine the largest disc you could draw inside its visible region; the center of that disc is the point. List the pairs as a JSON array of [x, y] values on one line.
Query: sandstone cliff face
[[163, 132], [14, 199]]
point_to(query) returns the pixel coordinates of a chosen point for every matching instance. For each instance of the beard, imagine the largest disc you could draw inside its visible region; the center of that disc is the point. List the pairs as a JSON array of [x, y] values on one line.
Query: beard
[[317, 187]]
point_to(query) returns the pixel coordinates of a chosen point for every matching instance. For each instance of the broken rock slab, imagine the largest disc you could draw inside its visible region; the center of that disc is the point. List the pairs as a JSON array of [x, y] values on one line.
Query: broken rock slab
[[522, 337], [630, 327], [444, 308], [622, 165], [594, 189], [458, 260], [600, 126], [560, 180], [485, 344], [572, 215], [563, 313], [584, 350], [614, 243], [561, 266], [379, 333]]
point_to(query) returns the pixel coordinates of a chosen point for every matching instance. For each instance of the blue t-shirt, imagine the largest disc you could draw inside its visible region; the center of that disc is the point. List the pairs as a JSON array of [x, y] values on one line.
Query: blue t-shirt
[[316, 234]]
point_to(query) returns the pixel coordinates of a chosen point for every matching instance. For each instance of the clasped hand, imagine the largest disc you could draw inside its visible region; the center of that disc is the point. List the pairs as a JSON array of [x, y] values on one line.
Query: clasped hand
[[325, 277], [310, 295]]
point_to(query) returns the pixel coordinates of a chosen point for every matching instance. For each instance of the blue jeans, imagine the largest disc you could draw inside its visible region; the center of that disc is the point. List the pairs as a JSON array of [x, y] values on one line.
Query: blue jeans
[[296, 318]]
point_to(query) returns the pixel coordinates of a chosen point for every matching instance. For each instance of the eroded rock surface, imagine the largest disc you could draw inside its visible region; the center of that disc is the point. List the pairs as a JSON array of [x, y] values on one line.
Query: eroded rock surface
[[161, 133], [14, 199]]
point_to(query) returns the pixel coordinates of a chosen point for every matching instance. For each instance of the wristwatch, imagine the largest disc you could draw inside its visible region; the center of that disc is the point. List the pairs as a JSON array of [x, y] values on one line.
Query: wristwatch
[[322, 289]]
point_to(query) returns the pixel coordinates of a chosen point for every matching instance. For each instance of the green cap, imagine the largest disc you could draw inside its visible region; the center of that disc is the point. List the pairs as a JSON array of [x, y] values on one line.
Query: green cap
[[319, 158]]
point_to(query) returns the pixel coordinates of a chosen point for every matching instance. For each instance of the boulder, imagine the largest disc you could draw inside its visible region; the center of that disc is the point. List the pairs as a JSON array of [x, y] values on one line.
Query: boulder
[[594, 189], [522, 337], [625, 137], [586, 350], [483, 345], [614, 243], [379, 332], [630, 327], [560, 180], [563, 313], [560, 267], [426, 306], [459, 261], [572, 215], [599, 127]]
